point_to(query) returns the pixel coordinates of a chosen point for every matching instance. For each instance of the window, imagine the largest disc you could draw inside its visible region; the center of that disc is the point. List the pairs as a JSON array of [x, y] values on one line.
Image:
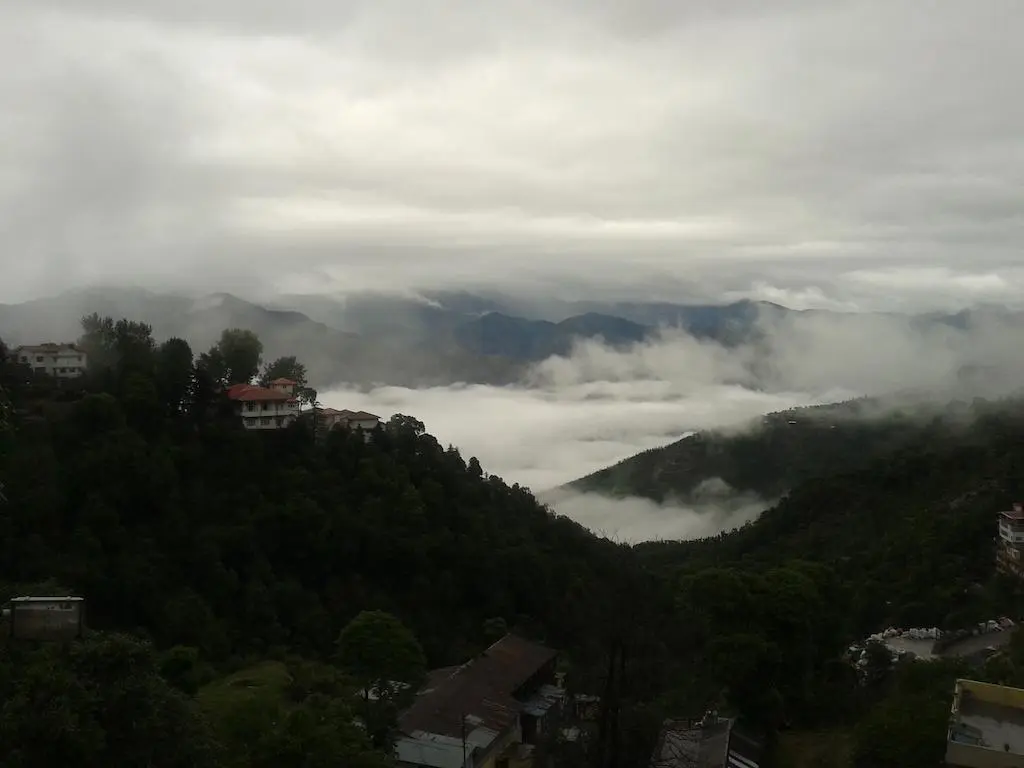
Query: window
[[265, 407], [265, 420], [39, 358], [24, 358], [250, 406]]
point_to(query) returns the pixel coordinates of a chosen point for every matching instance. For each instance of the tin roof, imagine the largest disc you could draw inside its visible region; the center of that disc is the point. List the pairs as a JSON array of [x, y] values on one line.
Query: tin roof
[[54, 599], [478, 694], [250, 392]]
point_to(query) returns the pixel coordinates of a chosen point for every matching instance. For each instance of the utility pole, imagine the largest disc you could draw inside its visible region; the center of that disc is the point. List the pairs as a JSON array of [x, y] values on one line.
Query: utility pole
[[462, 728]]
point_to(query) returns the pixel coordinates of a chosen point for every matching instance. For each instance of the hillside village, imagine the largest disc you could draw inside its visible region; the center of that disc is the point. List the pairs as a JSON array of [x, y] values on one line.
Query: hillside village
[[520, 701], [274, 406]]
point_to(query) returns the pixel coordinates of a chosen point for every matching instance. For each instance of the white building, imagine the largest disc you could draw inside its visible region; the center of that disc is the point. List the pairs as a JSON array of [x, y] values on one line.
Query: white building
[[331, 417], [64, 361], [273, 407]]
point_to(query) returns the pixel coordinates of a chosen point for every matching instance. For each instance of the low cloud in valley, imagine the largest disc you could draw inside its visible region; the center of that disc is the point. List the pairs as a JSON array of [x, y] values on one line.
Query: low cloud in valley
[[577, 414]]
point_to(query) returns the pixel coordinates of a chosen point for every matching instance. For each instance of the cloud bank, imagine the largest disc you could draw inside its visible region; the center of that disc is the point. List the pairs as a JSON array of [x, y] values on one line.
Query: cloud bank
[[587, 411], [848, 153]]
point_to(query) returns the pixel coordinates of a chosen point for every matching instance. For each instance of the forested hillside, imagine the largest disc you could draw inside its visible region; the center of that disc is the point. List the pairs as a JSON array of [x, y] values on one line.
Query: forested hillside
[[229, 573], [778, 452]]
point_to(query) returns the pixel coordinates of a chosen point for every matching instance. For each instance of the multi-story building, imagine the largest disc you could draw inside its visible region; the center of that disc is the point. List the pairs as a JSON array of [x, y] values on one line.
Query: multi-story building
[[1010, 548], [986, 726], [490, 712], [273, 407], [330, 417], [64, 361]]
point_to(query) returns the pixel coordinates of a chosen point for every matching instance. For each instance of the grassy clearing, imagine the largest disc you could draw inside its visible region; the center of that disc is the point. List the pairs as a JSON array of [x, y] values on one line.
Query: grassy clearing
[[266, 680], [815, 749]]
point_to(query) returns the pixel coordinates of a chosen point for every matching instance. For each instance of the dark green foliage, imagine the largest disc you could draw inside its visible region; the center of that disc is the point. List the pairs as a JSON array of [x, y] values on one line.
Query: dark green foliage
[[907, 729], [239, 353], [269, 555], [781, 451], [380, 654], [289, 367], [96, 703], [222, 545]]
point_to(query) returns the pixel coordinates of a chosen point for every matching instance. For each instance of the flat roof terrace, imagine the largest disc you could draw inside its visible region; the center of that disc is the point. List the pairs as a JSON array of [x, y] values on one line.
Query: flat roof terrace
[[1001, 727], [988, 719]]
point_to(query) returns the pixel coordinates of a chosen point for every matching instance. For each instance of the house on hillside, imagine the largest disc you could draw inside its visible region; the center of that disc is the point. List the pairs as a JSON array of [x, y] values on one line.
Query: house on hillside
[[272, 407], [329, 418], [707, 742], [1011, 542], [986, 726], [63, 361], [44, 618], [490, 712]]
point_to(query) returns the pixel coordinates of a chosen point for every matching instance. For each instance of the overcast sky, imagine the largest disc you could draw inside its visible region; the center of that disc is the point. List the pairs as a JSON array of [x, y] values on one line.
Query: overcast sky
[[846, 154]]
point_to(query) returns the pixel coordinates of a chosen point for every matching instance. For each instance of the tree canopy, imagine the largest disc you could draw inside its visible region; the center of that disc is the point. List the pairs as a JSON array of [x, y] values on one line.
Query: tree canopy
[[244, 587]]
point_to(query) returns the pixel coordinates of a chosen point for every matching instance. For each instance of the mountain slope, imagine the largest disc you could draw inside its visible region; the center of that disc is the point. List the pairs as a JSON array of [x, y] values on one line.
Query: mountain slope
[[776, 453], [534, 340], [910, 534]]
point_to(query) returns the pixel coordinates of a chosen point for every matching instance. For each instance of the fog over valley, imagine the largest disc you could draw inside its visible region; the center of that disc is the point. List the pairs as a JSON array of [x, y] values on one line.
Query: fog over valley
[[572, 415]]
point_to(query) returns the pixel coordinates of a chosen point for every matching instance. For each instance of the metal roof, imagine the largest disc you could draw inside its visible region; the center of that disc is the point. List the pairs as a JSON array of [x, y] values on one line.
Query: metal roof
[[483, 689], [47, 599]]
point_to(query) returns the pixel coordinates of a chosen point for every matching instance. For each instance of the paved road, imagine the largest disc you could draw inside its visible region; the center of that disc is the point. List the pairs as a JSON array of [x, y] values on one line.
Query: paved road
[[973, 644]]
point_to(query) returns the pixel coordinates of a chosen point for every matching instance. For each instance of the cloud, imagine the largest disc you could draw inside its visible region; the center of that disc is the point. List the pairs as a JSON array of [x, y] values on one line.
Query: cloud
[[543, 437], [633, 520], [575, 415], [784, 149]]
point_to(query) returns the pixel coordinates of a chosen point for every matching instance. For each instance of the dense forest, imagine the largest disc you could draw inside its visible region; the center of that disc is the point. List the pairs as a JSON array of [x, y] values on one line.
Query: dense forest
[[217, 561], [776, 453]]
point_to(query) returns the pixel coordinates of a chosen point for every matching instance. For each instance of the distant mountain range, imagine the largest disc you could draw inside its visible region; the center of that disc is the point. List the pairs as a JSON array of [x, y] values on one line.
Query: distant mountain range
[[437, 338]]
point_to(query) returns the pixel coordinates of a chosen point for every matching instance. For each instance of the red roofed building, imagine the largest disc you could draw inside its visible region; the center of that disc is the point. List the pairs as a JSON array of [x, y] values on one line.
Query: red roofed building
[[273, 407]]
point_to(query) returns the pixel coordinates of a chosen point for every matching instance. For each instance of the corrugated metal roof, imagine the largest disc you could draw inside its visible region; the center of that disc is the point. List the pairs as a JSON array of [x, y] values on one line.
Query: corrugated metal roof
[[480, 692], [47, 599]]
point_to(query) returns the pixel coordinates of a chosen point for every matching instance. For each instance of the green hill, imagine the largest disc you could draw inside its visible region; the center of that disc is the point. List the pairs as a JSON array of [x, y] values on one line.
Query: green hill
[[770, 456], [221, 567]]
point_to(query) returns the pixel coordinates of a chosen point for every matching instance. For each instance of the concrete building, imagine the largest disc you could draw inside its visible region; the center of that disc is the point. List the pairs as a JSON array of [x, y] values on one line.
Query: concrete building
[[330, 417], [1010, 547], [45, 618], [63, 361], [707, 742], [986, 726], [490, 712], [273, 407]]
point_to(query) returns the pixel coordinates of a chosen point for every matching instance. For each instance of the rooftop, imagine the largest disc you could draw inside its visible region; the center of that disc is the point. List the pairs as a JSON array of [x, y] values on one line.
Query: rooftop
[[685, 743], [48, 599], [347, 414], [285, 382], [988, 717], [707, 742], [482, 691], [1017, 513], [250, 392], [50, 347]]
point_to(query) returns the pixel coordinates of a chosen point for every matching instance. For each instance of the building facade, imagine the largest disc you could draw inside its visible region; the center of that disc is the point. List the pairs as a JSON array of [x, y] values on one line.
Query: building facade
[[261, 408], [45, 618], [986, 726], [331, 417], [63, 361], [1010, 545], [706, 742], [491, 712]]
